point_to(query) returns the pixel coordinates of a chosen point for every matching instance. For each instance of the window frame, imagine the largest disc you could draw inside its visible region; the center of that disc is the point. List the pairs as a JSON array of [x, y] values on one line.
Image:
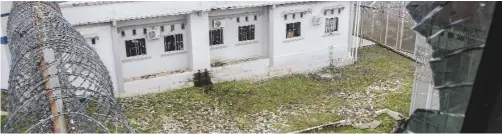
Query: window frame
[[93, 41], [330, 25], [213, 40], [139, 48], [293, 30], [177, 41], [246, 33]]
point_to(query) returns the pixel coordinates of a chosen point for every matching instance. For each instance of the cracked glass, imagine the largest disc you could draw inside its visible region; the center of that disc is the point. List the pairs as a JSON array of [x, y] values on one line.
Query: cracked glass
[[456, 34]]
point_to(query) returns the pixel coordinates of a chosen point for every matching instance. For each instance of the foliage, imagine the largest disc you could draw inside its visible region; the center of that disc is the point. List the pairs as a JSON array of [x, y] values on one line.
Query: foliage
[[282, 104], [218, 63]]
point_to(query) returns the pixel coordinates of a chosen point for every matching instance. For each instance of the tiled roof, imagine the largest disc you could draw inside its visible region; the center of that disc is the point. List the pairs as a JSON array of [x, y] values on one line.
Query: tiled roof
[[81, 13]]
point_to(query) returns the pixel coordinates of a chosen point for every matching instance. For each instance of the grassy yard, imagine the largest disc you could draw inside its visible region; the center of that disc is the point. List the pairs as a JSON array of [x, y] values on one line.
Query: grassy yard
[[380, 79]]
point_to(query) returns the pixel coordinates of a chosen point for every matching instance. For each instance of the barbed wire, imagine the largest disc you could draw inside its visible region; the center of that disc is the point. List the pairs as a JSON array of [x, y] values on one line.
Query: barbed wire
[[57, 81]]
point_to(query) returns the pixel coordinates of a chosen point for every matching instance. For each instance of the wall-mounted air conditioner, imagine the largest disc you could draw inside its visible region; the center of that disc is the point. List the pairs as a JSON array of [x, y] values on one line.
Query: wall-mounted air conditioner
[[218, 23], [153, 34], [316, 20]]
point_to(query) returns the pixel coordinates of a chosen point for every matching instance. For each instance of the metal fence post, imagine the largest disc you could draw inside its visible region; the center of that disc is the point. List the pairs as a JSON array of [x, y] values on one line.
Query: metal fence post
[[372, 23], [386, 26], [402, 26]]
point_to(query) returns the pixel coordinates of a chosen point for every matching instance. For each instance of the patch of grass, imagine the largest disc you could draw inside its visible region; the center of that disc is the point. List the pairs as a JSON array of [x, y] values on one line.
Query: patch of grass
[[310, 120], [387, 125], [4, 120], [218, 64], [238, 100]]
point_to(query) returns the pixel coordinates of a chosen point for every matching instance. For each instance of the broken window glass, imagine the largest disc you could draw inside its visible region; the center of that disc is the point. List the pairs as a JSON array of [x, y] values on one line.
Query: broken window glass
[[454, 61]]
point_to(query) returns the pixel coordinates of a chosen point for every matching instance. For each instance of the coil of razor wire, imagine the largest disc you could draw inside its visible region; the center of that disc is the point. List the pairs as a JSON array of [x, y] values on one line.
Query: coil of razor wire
[[57, 81]]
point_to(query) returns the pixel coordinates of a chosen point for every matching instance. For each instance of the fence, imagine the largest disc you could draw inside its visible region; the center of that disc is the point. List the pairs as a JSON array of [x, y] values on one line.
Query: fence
[[455, 37], [388, 24]]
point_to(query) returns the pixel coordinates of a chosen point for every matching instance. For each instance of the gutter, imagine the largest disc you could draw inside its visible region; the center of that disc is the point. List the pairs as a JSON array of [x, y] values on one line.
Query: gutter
[[175, 13]]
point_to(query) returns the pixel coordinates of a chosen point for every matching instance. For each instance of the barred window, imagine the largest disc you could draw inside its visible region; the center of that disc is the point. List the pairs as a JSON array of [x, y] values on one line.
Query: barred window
[[216, 37], [293, 30], [331, 25], [135, 47], [246, 32], [173, 42]]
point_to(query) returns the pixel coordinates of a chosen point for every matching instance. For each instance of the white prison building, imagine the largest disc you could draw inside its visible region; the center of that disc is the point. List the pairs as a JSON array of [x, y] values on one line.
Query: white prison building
[[158, 46]]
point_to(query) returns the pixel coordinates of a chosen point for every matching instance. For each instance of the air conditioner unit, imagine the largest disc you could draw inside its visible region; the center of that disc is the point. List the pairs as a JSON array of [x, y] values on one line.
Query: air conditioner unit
[[316, 20], [153, 34], [218, 23]]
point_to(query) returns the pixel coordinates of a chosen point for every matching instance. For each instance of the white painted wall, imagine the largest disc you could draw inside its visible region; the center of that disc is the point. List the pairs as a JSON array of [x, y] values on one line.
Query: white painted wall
[[103, 46], [253, 70], [157, 60], [198, 41], [233, 49], [5, 68], [313, 51], [4, 53], [312, 48]]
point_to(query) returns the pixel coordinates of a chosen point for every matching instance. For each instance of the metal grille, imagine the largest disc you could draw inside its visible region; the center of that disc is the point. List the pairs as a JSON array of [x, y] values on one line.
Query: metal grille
[[57, 81], [388, 23]]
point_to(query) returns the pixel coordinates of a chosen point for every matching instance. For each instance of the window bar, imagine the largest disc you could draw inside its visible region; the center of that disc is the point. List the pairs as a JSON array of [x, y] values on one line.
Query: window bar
[[336, 23], [181, 42], [210, 37], [221, 36], [326, 25]]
